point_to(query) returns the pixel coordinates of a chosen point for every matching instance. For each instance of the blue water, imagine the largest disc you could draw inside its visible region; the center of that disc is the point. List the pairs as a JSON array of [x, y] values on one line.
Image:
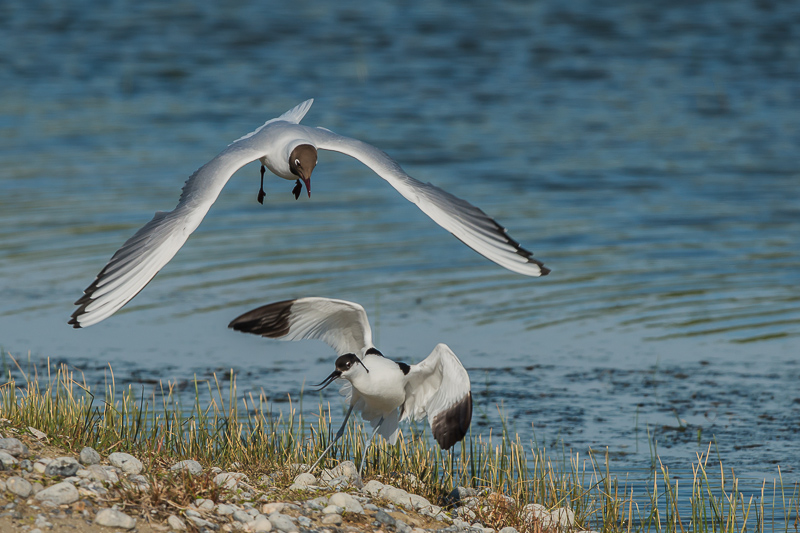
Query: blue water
[[645, 151]]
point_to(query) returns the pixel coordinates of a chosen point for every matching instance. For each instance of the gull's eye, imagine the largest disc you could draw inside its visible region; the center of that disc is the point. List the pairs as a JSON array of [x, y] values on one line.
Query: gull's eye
[[297, 162]]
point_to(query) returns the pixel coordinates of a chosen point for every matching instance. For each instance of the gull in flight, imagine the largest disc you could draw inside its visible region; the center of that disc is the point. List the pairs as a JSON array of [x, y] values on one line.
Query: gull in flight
[[385, 392], [288, 150]]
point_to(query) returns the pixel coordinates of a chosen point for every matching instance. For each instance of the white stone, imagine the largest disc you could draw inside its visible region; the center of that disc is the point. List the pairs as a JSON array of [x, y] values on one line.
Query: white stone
[[114, 518], [41, 435], [346, 470], [89, 456], [7, 460], [272, 507], [204, 504], [189, 465], [262, 525], [176, 523], [200, 523], [39, 467], [225, 510], [126, 462], [332, 520], [98, 473], [229, 480], [332, 509], [508, 529], [395, 495], [563, 517], [141, 482], [59, 494], [13, 446], [19, 486], [350, 504], [283, 522], [538, 512], [62, 467], [373, 487], [302, 482], [41, 522], [317, 504]]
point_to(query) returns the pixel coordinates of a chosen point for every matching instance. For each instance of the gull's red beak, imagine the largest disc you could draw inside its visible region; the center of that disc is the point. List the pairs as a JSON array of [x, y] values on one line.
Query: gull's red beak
[[307, 181]]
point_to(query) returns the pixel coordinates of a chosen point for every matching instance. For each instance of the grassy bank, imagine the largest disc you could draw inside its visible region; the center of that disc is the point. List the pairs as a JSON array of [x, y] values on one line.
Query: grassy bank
[[225, 429]]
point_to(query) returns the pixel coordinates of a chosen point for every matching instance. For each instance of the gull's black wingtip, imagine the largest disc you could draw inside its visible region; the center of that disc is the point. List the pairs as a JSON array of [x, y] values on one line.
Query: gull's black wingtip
[[544, 269]]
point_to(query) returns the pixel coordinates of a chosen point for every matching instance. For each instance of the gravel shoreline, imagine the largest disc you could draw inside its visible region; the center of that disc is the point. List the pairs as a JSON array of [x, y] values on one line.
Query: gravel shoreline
[[46, 489]]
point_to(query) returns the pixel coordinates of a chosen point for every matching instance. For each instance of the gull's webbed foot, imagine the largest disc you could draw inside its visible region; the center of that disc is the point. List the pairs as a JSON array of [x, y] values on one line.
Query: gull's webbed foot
[[298, 188], [261, 193]]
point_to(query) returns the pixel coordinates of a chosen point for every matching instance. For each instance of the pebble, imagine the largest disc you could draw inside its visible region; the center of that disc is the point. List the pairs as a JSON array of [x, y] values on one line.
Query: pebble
[[508, 529], [303, 482], [200, 523], [373, 487], [59, 494], [140, 482], [332, 520], [98, 473], [229, 480], [126, 462], [348, 502], [563, 517], [62, 467], [283, 522], [204, 504], [89, 456], [262, 524], [114, 518], [19, 486], [385, 518], [272, 507], [242, 516], [332, 509], [14, 447], [176, 523], [225, 510], [191, 466], [7, 460]]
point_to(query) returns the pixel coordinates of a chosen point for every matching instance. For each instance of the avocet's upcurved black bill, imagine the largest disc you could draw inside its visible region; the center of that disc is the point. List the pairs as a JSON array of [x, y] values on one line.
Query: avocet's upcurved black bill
[[327, 381]]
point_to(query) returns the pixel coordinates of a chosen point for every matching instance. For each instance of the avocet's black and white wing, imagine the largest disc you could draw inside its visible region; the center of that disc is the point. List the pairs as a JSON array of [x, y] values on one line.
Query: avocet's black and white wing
[[342, 325], [468, 223], [142, 256], [439, 388]]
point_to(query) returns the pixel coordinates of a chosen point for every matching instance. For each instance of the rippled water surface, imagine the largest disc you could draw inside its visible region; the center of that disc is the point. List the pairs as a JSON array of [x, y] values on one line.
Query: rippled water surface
[[645, 151]]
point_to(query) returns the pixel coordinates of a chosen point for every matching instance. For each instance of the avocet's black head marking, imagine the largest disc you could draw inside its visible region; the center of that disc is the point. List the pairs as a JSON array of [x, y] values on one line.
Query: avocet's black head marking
[[345, 362], [302, 161]]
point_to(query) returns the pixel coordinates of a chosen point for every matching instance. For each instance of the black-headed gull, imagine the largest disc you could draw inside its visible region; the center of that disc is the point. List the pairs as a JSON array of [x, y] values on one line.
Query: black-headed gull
[[385, 392], [289, 150]]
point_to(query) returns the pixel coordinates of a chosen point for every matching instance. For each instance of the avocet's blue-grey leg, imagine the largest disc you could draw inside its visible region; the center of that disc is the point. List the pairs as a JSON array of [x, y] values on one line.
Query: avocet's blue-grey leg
[[366, 446], [337, 437]]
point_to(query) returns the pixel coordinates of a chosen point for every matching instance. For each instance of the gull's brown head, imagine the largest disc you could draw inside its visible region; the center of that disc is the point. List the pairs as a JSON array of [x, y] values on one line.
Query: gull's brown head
[[302, 161]]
